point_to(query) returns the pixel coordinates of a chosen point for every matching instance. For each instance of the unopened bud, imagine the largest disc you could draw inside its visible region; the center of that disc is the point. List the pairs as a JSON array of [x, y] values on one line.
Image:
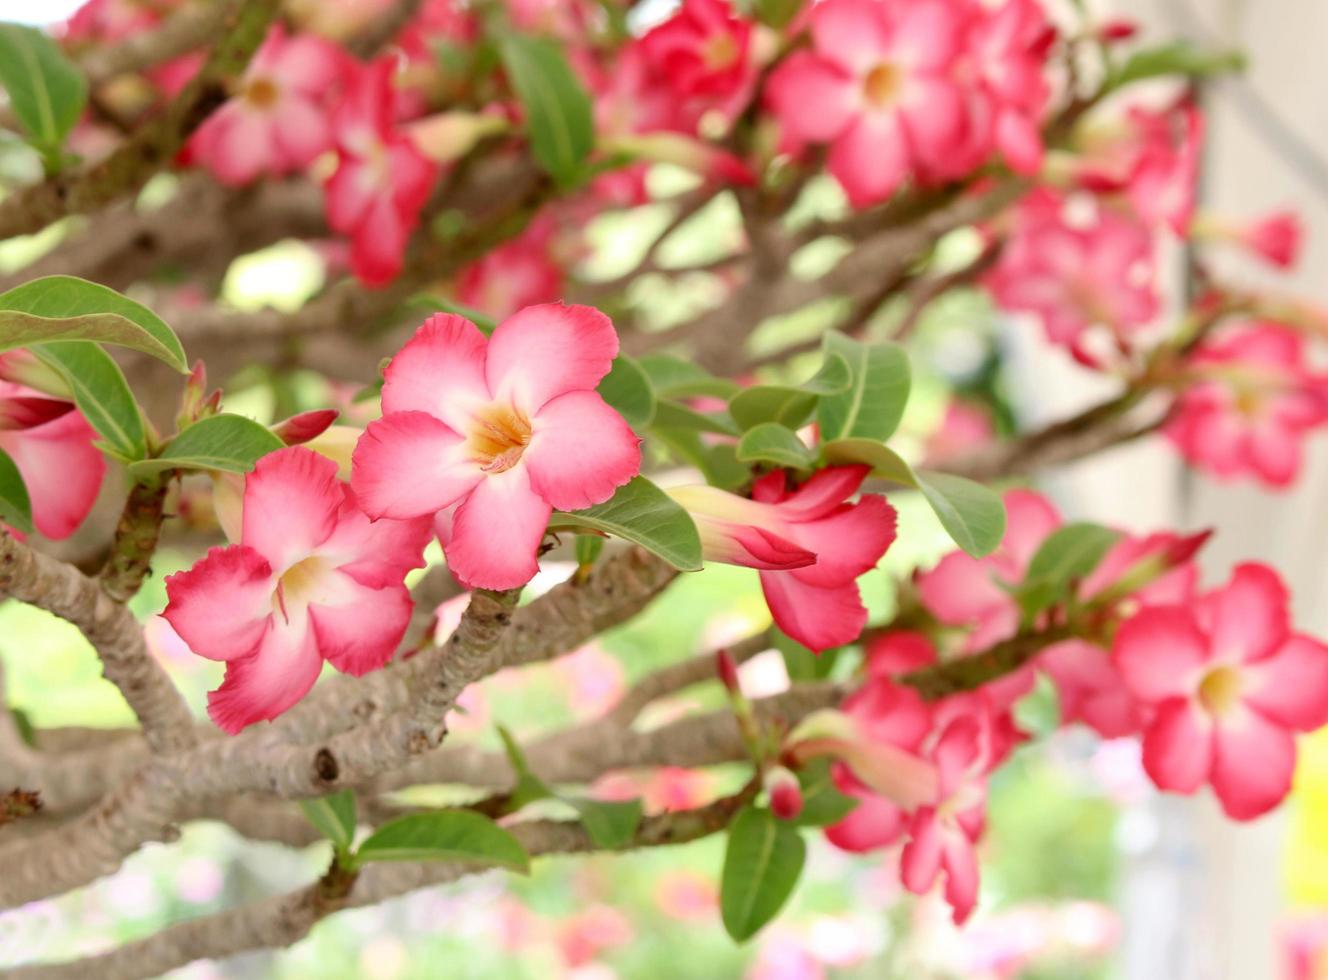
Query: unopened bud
[[785, 793], [301, 428], [727, 669], [1117, 29]]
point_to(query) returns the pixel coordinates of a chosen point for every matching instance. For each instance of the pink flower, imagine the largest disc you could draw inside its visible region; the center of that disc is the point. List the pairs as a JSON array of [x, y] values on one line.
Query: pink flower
[[942, 834], [1255, 400], [497, 431], [877, 87], [516, 274], [382, 181], [1077, 276], [279, 121], [702, 50], [53, 447], [809, 544], [1230, 684], [1277, 237], [311, 580]]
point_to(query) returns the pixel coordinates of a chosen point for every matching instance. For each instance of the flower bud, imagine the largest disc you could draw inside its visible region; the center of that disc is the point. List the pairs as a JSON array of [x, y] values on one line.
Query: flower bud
[[727, 669], [305, 426], [785, 793]]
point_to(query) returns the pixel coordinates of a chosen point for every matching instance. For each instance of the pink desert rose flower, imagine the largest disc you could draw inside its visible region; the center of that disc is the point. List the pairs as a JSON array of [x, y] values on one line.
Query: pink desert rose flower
[[51, 443], [1255, 400], [877, 86], [702, 50], [311, 580], [497, 432], [942, 835], [516, 274], [1230, 685], [278, 123], [809, 544], [382, 180], [1077, 276]]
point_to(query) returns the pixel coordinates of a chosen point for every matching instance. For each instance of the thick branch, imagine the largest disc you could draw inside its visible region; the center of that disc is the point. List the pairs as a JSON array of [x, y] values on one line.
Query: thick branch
[[968, 673]]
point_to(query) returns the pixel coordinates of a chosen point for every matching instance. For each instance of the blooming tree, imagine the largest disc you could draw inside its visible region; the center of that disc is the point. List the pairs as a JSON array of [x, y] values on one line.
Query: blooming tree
[[498, 374]]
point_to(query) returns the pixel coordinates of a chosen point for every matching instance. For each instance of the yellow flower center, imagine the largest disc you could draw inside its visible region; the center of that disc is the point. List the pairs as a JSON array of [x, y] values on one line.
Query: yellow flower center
[[261, 93], [882, 84], [499, 435], [1219, 691], [298, 584], [720, 52]]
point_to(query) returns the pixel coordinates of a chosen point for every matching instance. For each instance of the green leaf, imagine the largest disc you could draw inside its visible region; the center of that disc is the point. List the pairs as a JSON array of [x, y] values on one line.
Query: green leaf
[[438, 304], [674, 415], [15, 507], [627, 389], [448, 835], [46, 91], [101, 394], [220, 442], [970, 513], [874, 401], [973, 515], [772, 443], [788, 405], [68, 308], [762, 864], [610, 824], [559, 121], [1067, 555], [822, 802], [643, 513], [529, 787], [799, 661], [334, 817], [675, 377], [717, 463], [1177, 58], [588, 548]]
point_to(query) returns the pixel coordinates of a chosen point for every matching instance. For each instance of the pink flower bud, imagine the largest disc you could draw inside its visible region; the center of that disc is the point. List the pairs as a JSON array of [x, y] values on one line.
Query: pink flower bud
[[785, 793], [727, 669], [1117, 29], [1276, 237], [305, 426]]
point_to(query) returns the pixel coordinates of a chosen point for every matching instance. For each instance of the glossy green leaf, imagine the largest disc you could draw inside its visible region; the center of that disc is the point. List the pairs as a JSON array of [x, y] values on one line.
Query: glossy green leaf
[[67, 308], [772, 443], [334, 817], [220, 442], [610, 823], [448, 835], [643, 513], [670, 414], [101, 393], [559, 120], [873, 403], [799, 661], [970, 513], [718, 463], [973, 515], [674, 377], [762, 864], [47, 92], [787, 405], [15, 506], [529, 787], [627, 389], [1177, 58], [1067, 555]]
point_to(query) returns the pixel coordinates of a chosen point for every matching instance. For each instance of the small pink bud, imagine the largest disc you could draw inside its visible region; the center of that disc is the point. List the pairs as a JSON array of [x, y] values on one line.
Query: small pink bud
[[1117, 29], [728, 671], [1276, 237], [301, 428], [785, 793]]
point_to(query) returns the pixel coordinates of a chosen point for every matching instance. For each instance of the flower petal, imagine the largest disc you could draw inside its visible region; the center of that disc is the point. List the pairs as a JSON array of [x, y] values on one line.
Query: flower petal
[[1160, 653], [852, 33], [497, 531], [813, 99], [62, 470], [920, 861], [409, 464], [1178, 747], [874, 823], [222, 605], [580, 451], [961, 590], [817, 618], [870, 159], [291, 500], [1247, 618], [1291, 686], [378, 553], [359, 628], [547, 350], [1254, 760], [847, 544], [269, 681], [440, 370]]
